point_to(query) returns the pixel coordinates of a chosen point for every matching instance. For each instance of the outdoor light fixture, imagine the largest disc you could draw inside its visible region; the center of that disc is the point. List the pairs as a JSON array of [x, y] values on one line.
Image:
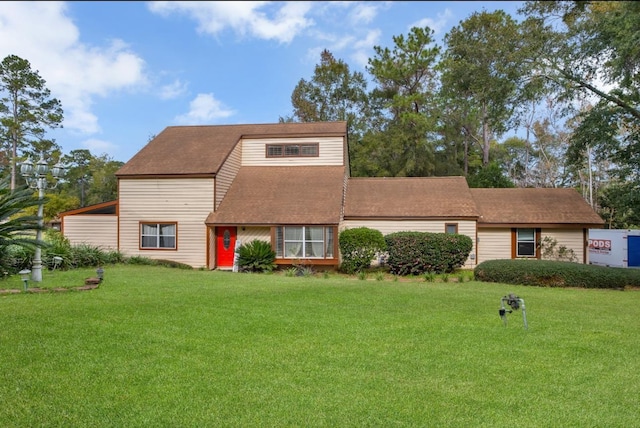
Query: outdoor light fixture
[[24, 274], [57, 261], [36, 177], [100, 273]]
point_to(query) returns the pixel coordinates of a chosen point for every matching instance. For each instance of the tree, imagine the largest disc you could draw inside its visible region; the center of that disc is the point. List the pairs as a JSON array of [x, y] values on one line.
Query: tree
[[402, 142], [482, 71], [459, 148], [581, 45], [26, 109], [91, 179], [590, 51], [104, 184], [334, 93], [78, 174], [491, 176]]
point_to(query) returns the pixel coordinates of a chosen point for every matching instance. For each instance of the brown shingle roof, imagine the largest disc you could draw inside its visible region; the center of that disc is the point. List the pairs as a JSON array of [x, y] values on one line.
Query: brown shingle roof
[[262, 195], [415, 197], [189, 150], [533, 206]]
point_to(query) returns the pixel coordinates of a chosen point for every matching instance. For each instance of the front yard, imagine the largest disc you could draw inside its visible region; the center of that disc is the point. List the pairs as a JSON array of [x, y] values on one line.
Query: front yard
[[156, 346]]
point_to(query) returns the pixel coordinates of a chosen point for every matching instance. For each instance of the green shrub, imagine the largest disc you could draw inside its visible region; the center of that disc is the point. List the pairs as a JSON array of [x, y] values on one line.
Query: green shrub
[[56, 253], [57, 246], [256, 256], [550, 273], [306, 271], [112, 257], [172, 264], [416, 253], [140, 260], [86, 255], [14, 258], [291, 271], [358, 247]]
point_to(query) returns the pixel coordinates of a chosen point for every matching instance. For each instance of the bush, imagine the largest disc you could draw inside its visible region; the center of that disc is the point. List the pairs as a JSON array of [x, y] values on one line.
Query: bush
[[256, 256], [172, 264], [417, 253], [14, 258], [141, 260], [358, 247], [550, 273], [86, 255], [57, 246]]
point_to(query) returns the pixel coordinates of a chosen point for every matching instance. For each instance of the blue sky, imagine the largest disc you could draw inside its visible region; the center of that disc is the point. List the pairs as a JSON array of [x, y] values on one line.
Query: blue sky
[[124, 71]]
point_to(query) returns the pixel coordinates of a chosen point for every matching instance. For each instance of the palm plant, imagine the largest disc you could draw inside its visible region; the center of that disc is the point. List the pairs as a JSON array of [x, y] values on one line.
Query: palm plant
[[256, 256], [17, 227]]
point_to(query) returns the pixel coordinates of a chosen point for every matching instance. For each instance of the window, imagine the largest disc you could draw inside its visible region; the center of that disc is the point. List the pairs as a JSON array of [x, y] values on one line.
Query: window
[[308, 242], [158, 235], [292, 150], [451, 228], [525, 243]]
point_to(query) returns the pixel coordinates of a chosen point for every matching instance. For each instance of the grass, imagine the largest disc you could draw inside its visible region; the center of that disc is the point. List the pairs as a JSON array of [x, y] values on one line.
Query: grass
[[163, 347]]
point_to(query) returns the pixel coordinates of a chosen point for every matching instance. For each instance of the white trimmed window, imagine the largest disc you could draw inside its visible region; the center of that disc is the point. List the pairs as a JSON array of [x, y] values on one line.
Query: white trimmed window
[[304, 242], [155, 236]]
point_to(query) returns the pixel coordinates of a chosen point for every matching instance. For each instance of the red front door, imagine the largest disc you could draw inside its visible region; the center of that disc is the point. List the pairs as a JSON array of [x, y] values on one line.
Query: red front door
[[225, 246]]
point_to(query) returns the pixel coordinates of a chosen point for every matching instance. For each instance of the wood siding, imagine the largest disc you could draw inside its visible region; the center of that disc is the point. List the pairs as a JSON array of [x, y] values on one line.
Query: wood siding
[[330, 152], [572, 239], [186, 201], [465, 227], [228, 173], [494, 244], [95, 230], [248, 234]]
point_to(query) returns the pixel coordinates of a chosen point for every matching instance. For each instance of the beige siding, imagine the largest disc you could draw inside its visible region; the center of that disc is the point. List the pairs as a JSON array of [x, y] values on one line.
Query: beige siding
[[330, 152], [96, 230], [186, 201], [227, 173], [572, 239], [494, 244], [251, 233], [465, 227]]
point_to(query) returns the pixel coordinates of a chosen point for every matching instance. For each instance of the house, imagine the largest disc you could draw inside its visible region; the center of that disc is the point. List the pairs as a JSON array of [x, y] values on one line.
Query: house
[[93, 225], [194, 193]]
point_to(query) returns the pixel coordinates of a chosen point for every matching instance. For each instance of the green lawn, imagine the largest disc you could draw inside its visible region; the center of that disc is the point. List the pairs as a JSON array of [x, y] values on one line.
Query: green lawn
[[163, 347]]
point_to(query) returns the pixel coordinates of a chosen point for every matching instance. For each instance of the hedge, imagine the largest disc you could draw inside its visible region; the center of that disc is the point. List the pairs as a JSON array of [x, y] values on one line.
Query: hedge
[[549, 273]]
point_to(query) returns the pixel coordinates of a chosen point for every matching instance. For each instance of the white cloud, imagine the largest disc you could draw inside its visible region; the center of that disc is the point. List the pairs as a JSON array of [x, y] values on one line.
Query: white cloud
[[44, 35], [173, 90], [260, 19], [98, 146], [204, 109], [437, 25], [363, 13], [363, 48]]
